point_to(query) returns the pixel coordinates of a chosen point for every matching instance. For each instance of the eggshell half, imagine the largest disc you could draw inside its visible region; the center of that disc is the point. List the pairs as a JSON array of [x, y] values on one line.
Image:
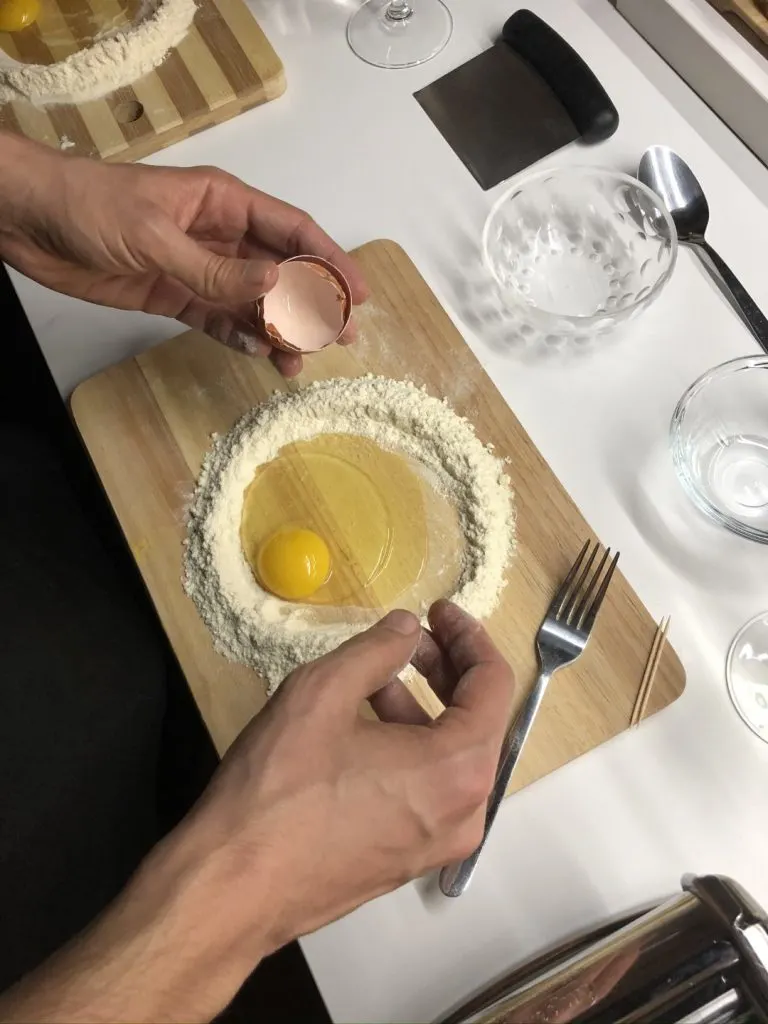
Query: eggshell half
[[309, 307]]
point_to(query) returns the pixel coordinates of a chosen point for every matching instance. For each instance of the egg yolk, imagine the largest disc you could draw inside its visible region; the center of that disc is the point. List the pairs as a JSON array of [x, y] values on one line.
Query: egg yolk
[[293, 563], [17, 14]]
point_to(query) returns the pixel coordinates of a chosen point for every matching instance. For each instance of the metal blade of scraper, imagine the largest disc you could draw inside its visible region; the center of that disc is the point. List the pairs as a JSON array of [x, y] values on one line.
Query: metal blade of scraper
[[497, 114]]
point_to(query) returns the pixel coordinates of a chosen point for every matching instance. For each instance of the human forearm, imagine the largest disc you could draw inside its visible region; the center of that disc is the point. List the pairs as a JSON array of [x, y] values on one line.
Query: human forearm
[[175, 946]]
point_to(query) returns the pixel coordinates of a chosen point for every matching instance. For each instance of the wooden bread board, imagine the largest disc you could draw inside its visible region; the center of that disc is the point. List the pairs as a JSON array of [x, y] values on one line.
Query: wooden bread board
[[147, 424], [224, 66]]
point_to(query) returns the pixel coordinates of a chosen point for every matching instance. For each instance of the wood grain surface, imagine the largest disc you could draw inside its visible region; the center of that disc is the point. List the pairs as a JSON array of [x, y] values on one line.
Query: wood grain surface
[[752, 13], [147, 424], [224, 66]]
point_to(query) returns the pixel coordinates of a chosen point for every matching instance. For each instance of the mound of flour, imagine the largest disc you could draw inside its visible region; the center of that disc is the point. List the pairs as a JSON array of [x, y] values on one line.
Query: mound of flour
[[272, 636], [111, 62]]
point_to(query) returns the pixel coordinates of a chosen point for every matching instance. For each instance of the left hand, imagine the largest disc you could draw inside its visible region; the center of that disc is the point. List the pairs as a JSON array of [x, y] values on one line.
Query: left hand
[[196, 244]]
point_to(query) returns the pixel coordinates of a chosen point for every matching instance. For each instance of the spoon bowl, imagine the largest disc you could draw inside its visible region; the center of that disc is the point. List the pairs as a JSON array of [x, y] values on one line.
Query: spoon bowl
[[670, 177], [673, 181]]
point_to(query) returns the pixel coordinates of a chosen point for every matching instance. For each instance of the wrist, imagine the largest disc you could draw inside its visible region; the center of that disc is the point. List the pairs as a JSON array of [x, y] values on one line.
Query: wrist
[[246, 879], [176, 945], [27, 174], [198, 906]]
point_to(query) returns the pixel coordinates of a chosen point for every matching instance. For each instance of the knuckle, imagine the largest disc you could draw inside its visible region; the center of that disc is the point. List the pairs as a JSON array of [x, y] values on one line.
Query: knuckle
[[305, 223], [219, 325], [469, 777], [214, 276], [212, 174], [305, 686]]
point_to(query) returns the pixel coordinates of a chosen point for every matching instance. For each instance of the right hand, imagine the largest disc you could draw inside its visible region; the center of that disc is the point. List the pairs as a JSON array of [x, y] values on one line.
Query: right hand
[[316, 809], [313, 811]]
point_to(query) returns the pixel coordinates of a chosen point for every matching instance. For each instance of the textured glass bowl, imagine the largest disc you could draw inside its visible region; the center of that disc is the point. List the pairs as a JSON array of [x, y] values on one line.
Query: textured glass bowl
[[719, 441], [579, 250]]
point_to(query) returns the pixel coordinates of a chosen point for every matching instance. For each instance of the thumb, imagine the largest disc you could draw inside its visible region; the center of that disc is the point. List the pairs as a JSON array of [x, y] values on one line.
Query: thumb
[[219, 280], [362, 665]]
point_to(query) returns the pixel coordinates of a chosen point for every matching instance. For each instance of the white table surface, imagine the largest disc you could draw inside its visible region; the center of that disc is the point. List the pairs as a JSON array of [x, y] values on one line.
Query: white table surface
[[686, 792]]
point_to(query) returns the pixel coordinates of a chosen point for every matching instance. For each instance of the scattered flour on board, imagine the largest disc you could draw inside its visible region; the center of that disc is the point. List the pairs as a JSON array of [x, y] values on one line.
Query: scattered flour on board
[[248, 625], [114, 60]]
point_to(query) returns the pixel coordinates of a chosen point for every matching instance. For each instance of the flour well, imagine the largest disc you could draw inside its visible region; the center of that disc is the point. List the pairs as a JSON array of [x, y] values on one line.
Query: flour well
[[273, 637], [111, 62]]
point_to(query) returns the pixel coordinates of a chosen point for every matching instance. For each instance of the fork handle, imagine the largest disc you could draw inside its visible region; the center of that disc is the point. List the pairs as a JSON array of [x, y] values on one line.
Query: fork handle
[[454, 878]]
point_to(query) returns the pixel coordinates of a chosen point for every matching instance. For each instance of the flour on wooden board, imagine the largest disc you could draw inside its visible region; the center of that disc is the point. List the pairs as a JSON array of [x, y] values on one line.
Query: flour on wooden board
[[248, 625], [114, 60]]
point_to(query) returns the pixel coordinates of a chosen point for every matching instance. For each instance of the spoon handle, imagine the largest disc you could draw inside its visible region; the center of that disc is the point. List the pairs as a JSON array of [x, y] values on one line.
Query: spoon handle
[[740, 298]]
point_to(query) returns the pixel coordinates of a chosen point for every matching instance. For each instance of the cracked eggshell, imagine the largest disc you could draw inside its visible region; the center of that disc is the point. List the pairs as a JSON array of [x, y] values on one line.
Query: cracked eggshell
[[309, 307]]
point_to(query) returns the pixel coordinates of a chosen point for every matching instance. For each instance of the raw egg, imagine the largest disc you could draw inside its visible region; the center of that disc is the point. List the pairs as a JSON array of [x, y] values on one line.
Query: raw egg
[[308, 308], [17, 14], [390, 536], [293, 563]]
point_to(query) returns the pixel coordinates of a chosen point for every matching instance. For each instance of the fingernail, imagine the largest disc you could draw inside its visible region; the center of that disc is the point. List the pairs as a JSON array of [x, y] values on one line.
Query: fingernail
[[401, 622], [266, 273]]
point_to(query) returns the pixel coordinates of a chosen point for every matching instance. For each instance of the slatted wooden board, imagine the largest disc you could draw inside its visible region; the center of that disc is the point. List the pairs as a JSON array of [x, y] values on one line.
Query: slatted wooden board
[[224, 66], [748, 12], [147, 424]]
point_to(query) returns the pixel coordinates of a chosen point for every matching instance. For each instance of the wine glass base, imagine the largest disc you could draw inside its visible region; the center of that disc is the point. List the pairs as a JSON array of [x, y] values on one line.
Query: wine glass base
[[391, 43]]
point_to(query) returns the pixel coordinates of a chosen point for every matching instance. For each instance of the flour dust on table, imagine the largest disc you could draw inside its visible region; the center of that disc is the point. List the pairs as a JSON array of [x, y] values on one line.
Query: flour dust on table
[[323, 508], [116, 58]]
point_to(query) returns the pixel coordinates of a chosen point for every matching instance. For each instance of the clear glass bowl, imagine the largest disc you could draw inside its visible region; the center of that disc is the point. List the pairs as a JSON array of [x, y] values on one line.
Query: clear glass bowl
[[719, 440], [579, 250], [747, 674]]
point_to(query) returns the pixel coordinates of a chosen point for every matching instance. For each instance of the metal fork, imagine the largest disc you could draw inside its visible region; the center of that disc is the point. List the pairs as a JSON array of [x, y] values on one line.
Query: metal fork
[[562, 637]]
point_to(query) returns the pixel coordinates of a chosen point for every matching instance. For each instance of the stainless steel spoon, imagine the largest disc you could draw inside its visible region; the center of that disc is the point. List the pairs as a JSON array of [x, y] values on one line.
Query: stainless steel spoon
[[670, 177]]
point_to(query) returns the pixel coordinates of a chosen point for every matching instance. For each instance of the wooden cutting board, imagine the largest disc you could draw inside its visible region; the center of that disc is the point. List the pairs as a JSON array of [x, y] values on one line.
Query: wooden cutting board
[[147, 424], [224, 66]]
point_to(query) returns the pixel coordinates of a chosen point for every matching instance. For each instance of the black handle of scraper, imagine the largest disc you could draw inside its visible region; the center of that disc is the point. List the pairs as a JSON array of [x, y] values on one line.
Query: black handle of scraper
[[572, 80]]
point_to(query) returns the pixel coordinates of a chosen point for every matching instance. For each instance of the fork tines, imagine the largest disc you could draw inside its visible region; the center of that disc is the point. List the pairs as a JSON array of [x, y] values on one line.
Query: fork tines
[[579, 598]]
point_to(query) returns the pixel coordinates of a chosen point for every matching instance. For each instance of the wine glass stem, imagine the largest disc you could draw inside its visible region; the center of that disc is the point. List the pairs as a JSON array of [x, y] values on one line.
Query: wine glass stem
[[398, 10]]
